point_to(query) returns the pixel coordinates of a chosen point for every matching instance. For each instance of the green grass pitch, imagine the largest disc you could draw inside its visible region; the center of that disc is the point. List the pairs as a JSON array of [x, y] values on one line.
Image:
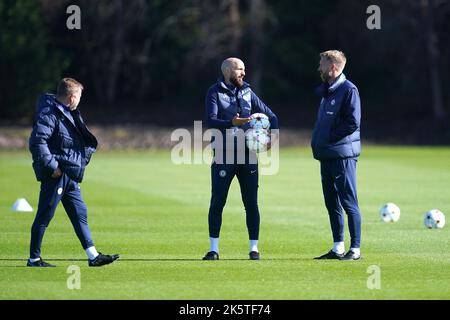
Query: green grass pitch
[[154, 214]]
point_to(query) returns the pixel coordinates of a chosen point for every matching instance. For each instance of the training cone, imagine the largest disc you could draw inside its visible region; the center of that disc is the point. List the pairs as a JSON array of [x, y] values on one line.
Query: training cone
[[21, 205]]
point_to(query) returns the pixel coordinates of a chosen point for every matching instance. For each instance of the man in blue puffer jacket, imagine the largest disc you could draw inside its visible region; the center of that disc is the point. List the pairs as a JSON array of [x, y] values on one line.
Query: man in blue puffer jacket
[[336, 144], [62, 146]]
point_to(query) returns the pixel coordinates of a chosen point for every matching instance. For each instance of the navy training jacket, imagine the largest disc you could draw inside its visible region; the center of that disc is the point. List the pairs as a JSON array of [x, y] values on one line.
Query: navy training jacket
[[222, 105], [61, 139], [336, 134]]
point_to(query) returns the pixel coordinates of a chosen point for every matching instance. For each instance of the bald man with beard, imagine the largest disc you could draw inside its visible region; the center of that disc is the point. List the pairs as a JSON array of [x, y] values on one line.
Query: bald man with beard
[[229, 104]]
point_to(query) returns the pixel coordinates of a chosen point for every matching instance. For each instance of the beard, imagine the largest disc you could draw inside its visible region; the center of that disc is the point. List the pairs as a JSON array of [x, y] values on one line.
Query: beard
[[237, 82], [325, 77]]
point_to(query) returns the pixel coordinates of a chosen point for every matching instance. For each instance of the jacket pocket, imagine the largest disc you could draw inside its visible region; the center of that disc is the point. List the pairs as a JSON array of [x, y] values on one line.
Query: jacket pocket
[[66, 141], [41, 171], [324, 134]]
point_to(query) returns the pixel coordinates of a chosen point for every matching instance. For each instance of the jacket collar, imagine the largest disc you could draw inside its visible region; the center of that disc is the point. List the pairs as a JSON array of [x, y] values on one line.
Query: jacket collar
[[340, 80], [65, 111], [222, 84], [325, 89]]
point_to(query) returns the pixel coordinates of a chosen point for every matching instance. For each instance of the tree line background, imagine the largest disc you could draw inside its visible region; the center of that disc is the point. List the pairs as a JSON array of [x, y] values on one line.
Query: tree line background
[[151, 61]]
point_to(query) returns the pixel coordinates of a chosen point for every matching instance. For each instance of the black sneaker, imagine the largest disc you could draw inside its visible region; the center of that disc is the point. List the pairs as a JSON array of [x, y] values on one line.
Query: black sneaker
[[103, 259], [350, 255], [254, 255], [212, 255], [39, 263], [330, 255]]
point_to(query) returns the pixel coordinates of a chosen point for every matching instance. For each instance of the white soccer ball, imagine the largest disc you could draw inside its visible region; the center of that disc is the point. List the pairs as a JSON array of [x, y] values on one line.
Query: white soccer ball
[[390, 212], [259, 121], [434, 219], [257, 140]]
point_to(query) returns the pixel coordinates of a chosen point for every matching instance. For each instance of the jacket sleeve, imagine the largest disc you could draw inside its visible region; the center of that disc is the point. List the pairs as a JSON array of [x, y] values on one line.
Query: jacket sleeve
[[38, 142], [212, 110], [350, 117], [260, 107]]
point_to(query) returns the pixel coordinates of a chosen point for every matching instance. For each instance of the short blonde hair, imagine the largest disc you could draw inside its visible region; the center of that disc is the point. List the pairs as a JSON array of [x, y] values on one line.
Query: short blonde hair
[[67, 87], [335, 56]]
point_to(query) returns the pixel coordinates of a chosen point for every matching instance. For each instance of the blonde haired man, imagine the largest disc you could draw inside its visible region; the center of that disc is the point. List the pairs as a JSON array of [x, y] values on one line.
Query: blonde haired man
[[62, 146], [336, 144]]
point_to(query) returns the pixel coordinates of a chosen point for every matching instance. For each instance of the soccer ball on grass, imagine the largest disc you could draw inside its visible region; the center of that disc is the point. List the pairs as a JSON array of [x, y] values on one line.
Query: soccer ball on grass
[[434, 219], [390, 212]]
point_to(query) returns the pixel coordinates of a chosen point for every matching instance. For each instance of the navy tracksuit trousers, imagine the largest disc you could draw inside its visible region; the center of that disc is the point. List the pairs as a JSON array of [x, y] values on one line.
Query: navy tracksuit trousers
[[52, 192], [339, 190], [221, 177]]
